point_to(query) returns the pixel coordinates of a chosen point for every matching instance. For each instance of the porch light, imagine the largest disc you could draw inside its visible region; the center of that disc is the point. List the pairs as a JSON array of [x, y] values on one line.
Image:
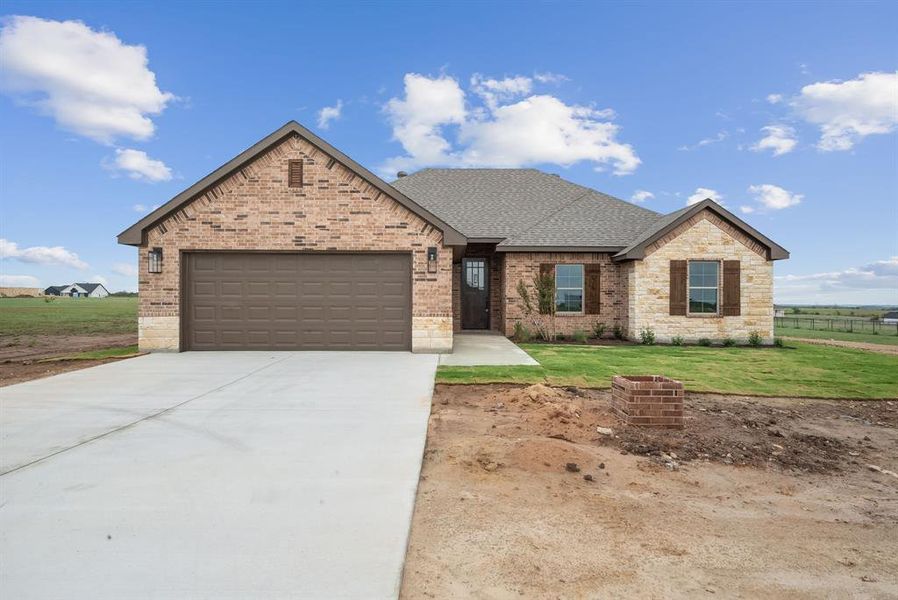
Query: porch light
[[154, 258], [432, 259]]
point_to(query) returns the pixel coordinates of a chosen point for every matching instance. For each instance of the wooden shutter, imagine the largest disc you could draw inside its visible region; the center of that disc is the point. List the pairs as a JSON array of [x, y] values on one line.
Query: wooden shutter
[[547, 269], [591, 289], [294, 173], [678, 276], [732, 293]]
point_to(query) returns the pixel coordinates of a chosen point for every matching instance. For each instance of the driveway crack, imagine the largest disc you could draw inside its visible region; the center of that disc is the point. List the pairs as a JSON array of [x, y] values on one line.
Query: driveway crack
[[140, 420]]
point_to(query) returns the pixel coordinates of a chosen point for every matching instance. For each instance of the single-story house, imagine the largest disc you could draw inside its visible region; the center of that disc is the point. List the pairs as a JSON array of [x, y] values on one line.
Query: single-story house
[[294, 245], [890, 317], [78, 290]]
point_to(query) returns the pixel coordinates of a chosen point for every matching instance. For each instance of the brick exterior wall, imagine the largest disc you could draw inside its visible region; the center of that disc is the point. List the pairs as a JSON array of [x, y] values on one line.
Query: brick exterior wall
[[524, 266], [703, 237], [335, 210], [648, 400]]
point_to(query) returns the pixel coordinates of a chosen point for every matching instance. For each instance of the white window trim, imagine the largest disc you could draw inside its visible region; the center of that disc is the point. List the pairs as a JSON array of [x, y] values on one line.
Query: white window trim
[[582, 289], [690, 287]]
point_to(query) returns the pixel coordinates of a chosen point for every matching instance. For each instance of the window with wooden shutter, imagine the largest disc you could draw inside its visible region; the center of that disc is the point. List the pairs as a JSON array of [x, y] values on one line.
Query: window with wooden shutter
[[732, 293], [593, 301], [294, 173], [678, 271]]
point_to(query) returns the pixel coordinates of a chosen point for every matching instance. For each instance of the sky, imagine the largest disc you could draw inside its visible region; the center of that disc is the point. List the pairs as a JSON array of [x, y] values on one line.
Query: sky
[[786, 113]]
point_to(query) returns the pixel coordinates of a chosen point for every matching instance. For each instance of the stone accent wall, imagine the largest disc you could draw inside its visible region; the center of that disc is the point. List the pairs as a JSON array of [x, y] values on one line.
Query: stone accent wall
[[703, 237], [335, 210], [524, 266], [648, 400]]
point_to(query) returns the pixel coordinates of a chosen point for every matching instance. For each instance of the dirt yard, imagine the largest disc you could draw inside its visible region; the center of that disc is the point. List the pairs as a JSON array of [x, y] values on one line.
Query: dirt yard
[[21, 355], [521, 497]]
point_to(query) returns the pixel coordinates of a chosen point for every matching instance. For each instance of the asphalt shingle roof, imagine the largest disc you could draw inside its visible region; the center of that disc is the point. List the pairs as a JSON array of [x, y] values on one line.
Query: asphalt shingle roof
[[526, 207]]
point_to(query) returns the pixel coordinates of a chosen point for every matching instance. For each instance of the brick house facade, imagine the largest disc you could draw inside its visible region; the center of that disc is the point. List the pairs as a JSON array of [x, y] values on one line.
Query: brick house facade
[[252, 205]]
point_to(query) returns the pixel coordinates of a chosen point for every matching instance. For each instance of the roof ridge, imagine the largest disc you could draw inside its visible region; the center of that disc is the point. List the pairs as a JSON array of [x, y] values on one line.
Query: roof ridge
[[548, 216]]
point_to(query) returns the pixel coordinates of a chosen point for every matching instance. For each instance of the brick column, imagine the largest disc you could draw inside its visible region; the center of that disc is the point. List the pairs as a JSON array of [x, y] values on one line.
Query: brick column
[[648, 400]]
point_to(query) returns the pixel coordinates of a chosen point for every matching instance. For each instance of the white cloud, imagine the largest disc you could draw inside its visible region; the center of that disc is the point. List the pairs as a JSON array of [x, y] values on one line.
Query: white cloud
[[330, 113], [125, 269], [494, 91], [779, 138], [773, 197], [100, 279], [548, 77], [704, 193], [746, 209], [19, 281], [89, 81], [137, 165], [774, 98], [848, 111], [143, 208], [721, 136], [876, 282], [641, 196], [56, 255], [505, 131]]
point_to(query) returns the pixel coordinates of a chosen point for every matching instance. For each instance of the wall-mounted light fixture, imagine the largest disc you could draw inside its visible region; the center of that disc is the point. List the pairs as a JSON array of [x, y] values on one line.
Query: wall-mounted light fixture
[[154, 260], [432, 259]]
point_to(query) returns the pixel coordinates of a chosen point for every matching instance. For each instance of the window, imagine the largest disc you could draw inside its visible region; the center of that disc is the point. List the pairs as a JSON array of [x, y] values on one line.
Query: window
[[703, 286], [474, 273], [569, 288]]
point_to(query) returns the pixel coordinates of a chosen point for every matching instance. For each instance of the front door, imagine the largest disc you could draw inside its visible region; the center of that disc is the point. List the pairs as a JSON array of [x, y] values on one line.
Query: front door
[[475, 294]]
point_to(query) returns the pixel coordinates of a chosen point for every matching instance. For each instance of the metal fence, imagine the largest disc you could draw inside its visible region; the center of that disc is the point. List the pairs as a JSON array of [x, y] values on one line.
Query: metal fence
[[836, 324]]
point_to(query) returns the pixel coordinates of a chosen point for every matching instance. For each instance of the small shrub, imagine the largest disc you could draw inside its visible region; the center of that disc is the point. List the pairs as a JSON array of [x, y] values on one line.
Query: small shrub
[[704, 342], [560, 337], [580, 336], [522, 333], [49, 299], [729, 342], [618, 332], [598, 330], [754, 338], [647, 335], [779, 343], [677, 340]]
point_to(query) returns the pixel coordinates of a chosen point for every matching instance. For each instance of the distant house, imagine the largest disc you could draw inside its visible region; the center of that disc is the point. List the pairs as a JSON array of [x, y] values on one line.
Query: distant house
[[890, 317], [78, 290]]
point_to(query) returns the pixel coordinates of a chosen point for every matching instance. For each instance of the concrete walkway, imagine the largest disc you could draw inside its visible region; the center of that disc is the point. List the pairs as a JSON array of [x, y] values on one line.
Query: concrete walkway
[[472, 349], [213, 475]]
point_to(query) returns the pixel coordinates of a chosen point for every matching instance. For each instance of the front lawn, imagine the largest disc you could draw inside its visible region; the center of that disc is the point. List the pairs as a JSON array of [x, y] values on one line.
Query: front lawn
[[798, 370]]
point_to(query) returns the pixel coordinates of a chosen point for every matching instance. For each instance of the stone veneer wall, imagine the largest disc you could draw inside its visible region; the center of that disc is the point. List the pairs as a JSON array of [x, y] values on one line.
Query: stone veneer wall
[[523, 266], [703, 237], [335, 210]]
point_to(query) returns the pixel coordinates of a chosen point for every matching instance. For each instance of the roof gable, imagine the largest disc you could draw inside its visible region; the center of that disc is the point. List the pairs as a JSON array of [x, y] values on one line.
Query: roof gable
[[134, 235], [666, 224]]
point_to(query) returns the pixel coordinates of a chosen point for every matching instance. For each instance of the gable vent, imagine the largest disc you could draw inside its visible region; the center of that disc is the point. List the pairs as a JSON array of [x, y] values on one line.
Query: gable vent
[[294, 173]]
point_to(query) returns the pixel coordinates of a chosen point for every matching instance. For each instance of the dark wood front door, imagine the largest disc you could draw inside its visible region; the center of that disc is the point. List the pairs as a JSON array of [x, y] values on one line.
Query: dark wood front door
[[475, 293]]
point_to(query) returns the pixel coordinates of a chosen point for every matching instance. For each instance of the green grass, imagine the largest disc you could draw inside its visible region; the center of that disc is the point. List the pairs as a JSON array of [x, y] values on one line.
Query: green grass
[[881, 338], [66, 316], [799, 370], [835, 312], [117, 352]]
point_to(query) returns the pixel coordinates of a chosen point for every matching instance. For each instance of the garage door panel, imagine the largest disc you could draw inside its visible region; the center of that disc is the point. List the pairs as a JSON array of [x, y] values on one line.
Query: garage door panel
[[298, 301]]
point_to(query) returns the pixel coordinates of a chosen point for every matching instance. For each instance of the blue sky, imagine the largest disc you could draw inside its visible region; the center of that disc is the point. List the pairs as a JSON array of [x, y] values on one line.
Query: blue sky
[[786, 113]]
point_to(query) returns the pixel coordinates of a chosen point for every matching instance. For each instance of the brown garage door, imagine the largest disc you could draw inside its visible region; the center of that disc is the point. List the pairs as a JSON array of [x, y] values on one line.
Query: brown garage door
[[258, 301]]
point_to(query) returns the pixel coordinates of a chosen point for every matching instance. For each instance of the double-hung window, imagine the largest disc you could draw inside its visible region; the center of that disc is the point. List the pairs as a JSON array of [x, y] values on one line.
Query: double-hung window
[[703, 286], [569, 288]]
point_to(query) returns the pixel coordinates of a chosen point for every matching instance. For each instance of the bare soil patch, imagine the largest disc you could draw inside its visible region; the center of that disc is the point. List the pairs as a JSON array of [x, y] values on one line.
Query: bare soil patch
[[21, 356], [871, 347], [521, 495]]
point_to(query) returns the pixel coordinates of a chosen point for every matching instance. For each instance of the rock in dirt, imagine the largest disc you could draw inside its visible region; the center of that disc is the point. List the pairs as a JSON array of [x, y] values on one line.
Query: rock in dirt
[[588, 477], [572, 468], [605, 430], [878, 469]]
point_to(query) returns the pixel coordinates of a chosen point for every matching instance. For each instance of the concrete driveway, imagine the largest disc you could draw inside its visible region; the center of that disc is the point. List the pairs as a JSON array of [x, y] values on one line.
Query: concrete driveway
[[213, 475]]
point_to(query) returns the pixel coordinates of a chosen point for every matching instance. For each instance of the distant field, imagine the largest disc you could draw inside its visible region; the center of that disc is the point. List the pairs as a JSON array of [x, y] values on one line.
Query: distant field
[[891, 340], [831, 311], [67, 316]]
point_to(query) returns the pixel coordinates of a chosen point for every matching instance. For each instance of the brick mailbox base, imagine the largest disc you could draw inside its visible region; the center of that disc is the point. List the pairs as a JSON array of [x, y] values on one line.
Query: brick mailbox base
[[648, 400]]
